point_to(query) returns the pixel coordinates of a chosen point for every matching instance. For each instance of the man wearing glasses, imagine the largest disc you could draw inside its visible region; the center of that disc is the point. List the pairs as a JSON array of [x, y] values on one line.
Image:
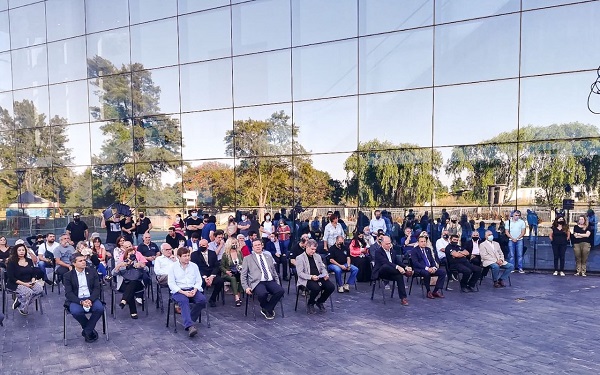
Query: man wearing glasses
[[163, 263], [515, 230]]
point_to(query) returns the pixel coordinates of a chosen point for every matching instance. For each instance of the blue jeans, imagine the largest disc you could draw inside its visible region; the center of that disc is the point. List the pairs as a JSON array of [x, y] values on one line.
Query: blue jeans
[[42, 266], [190, 316], [508, 267], [78, 313], [338, 274], [511, 253]]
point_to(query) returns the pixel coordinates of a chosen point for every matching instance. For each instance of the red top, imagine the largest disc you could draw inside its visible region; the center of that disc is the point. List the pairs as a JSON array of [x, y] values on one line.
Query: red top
[[283, 236]]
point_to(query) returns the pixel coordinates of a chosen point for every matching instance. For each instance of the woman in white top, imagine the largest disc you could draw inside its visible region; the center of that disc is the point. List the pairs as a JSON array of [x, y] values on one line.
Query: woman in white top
[[266, 228]]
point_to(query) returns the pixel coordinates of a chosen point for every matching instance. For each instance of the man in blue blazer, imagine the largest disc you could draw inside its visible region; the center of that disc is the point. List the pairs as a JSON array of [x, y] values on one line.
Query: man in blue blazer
[[387, 266], [426, 266]]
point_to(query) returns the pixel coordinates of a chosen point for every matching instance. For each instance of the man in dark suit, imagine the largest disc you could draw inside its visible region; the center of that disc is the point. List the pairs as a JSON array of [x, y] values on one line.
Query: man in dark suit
[[473, 248], [210, 269], [426, 266], [82, 290], [387, 266], [458, 260]]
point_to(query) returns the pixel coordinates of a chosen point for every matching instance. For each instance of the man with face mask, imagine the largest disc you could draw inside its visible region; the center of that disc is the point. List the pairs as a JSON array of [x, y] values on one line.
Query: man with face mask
[[472, 247], [492, 256], [193, 224], [339, 259], [377, 223], [244, 227], [209, 267], [440, 246], [77, 229], [458, 260]]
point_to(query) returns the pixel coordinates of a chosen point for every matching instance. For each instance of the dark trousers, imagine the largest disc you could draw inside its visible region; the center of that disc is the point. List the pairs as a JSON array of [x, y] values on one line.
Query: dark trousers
[[441, 278], [394, 275], [188, 315], [217, 286], [283, 261], [129, 289], [470, 273], [559, 251], [364, 268], [325, 287], [476, 260], [88, 325], [60, 272], [266, 288]]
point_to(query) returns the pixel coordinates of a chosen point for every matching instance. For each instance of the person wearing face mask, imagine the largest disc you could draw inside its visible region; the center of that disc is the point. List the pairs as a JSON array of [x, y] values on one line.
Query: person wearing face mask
[[244, 226], [440, 246], [515, 231], [266, 228], [193, 224], [77, 229], [492, 256], [458, 260], [472, 247], [426, 266], [340, 262], [583, 238], [559, 238], [232, 227], [377, 223], [209, 267], [453, 227]]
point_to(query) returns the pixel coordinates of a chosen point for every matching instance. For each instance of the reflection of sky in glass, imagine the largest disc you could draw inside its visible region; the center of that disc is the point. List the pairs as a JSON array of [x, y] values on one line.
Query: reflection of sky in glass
[[262, 78], [111, 45], [29, 67], [260, 26], [69, 100], [455, 10], [106, 14], [148, 10], [154, 44], [67, 60], [30, 28], [79, 143], [390, 15], [316, 21], [4, 32], [203, 133], [5, 72], [65, 18]]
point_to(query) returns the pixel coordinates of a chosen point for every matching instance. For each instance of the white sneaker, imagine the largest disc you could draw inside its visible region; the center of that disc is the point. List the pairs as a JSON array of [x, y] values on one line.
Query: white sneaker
[[387, 287], [341, 289], [521, 270], [555, 273], [583, 274], [562, 273], [346, 288], [139, 301]]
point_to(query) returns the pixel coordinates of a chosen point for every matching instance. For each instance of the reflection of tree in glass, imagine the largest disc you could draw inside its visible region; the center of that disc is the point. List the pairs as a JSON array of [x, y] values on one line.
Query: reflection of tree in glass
[[392, 175], [266, 172], [135, 132], [29, 142], [213, 181]]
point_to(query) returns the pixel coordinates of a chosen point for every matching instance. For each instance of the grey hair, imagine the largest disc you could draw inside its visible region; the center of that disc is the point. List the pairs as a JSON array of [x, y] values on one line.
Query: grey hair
[[311, 242]]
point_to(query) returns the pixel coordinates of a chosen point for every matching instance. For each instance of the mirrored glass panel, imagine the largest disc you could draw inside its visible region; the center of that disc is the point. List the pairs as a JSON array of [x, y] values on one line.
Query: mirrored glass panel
[[155, 91], [5, 72], [476, 175], [452, 10], [35, 149], [316, 21], [532, 4], [4, 32], [262, 78], [157, 139], [261, 26], [111, 142], [396, 61], [475, 50], [204, 134], [3, 5], [148, 10], [210, 183], [30, 67], [67, 60], [154, 44], [69, 101], [27, 26], [206, 85], [20, 3], [261, 131], [112, 183], [110, 97], [6, 102], [319, 180], [112, 48], [467, 114], [106, 14], [75, 142], [555, 107], [65, 18], [188, 6], [74, 189], [325, 70], [264, 182], [326, 125], [391, 15], [548, 48], [205, 35], [400, 118], [7, 148], [158, 189], [34, 103]]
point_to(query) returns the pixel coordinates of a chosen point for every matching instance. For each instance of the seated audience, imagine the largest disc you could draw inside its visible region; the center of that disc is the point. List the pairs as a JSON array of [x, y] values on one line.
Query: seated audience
[[185, 284], [458, 260], [425, 265], [492, 256], [176, 240], [23, 278], [473, 248], [62, 255], [82, 292], [130, 268], [208, 264], [218, 244], [440, 246], [339, 259], [359, 255], [193, 242], [163, 263], [409, 241], [101, 255], [231, 266], [387, 266], [4, 251], [259, 277], [242, 246], [313, 275], [148, 249]]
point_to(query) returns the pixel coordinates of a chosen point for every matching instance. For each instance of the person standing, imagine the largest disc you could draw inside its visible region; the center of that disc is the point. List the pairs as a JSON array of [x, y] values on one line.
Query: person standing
[[559, 238], [582, 243], [515, 231], [77, 229], [532, 221], [143, 225]]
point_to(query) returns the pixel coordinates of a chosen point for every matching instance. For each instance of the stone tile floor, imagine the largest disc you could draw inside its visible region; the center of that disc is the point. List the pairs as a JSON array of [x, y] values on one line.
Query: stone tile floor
[[543, 324]]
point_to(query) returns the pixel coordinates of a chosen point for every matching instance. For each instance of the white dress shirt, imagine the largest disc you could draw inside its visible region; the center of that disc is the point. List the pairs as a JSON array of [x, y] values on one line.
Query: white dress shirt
[[162, 264], [183, 278], [267, 276], [84, 291]]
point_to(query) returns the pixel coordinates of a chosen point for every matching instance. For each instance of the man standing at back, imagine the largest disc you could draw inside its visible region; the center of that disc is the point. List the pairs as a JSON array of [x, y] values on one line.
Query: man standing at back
[[143, 225], [77, 229], [377, 223], [515, 231]]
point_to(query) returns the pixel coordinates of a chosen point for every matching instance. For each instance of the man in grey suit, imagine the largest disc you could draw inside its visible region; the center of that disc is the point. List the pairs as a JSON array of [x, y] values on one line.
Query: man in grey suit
[[260, 276]]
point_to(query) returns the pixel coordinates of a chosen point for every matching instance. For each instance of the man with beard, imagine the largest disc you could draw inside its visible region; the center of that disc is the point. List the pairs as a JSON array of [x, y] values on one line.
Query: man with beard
[[77, 229]]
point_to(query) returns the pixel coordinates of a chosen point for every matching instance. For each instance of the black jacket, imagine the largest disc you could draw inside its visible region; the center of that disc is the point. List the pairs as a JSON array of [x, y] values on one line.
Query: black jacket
[[212, 268], [72, 285]]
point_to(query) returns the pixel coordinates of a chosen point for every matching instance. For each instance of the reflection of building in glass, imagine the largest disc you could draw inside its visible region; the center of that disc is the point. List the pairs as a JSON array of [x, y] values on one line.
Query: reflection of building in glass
[[261, 104]]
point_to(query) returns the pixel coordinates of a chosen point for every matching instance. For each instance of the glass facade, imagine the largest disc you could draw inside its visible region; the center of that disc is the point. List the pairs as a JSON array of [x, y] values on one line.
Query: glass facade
[[264, 104]]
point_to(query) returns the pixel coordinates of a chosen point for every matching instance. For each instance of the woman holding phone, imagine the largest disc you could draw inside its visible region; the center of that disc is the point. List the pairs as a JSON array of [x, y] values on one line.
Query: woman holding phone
[[22, 278]]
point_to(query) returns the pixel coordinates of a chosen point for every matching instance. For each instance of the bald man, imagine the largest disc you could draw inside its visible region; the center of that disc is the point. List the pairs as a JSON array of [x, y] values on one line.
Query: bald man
[[210, 270]]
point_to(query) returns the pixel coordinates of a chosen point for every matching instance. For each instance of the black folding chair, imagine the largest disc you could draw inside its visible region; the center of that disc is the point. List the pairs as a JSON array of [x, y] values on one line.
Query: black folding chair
[[67, 312], [486, 271], [254, 308], [171, 300], [306, 295], [113, 292]]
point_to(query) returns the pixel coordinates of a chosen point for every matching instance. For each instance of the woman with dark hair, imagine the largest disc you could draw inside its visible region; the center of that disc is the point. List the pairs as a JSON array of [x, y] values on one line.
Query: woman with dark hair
[[209, 228], [118, 250], [128, 228], [266, 228], [359, 257], [100, 257], [559, 238], [4, 251], [21, 275], [582, 243], [130, 269], [179, 225], [232, 227]]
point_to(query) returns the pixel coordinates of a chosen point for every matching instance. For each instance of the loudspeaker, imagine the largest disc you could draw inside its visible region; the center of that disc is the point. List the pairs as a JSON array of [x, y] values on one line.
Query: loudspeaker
[[568, 204]]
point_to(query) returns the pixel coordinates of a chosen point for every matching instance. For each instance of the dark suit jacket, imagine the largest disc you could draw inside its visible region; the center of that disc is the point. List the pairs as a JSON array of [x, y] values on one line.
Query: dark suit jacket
[[418, 261], [469, 245], [382, 262], [451, 260], [72, 285], [212, 268]]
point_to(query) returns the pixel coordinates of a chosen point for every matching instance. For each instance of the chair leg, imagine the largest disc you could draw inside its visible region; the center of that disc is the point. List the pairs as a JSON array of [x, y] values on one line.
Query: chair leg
[[253, 308], [207, 318], [174, 317], [393, 288], [297, 296], [168, 312], [281, 304], [247, 300], [223, 295], [112, 304], [374, 284], [65, 327], [411, 283], [105, 324]]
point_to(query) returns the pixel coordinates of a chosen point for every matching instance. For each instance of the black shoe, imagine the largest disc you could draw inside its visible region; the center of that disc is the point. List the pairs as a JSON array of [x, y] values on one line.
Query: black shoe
[[472, 289], [83, 333], [16, 304], [265, 313], [192, 331], [465, 290], [310, 309], [134, 316], [122, 304], [321, 307], [212, 303], [48, 281]]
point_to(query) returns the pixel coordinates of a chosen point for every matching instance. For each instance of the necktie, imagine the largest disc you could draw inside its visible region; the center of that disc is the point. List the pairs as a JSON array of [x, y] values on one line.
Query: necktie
[[426, 259], [264, 268]]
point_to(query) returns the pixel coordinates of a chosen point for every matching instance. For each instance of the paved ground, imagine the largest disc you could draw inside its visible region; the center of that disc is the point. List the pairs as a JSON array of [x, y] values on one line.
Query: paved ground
[[542, 324]]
